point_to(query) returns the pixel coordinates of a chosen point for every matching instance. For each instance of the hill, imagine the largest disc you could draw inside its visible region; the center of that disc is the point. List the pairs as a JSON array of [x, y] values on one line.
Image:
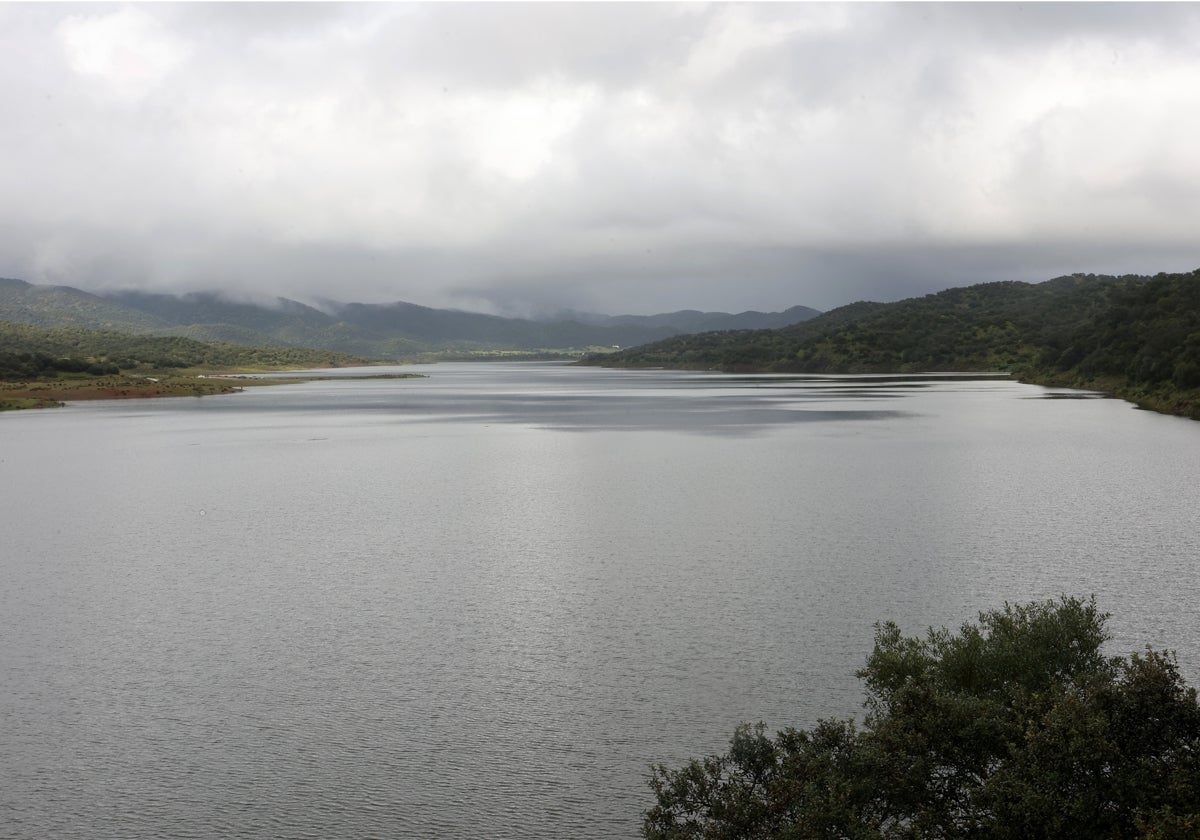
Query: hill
[[40, 366], [381, 331], [63, 306], [1136, 336], [27, 351]]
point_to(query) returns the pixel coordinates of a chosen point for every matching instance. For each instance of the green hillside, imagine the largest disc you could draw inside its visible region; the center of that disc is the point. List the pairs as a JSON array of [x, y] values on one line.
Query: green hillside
[[62, 306], [26, 349], [1138, 337]]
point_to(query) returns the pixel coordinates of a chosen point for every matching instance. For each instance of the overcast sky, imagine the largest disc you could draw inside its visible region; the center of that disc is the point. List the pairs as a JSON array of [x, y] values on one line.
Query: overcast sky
[[615, 158]]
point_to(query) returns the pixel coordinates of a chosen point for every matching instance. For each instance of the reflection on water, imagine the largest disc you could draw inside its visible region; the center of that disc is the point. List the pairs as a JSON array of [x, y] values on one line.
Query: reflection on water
[[702, 403], [1071, 395], [482, 603]]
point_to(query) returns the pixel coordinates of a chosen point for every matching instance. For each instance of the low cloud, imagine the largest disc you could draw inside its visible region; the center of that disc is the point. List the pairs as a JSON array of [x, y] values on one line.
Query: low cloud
[[619, 157]]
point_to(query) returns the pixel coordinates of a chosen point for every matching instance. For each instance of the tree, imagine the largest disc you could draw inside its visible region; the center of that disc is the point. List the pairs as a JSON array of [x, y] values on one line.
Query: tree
[[1017, 726]]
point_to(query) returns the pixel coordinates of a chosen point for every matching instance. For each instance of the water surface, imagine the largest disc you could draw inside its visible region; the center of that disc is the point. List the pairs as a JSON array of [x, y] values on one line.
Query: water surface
[[481, 603]]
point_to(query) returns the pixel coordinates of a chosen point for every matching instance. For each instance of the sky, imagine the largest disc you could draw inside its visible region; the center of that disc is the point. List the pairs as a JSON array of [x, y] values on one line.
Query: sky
[[621, 158]]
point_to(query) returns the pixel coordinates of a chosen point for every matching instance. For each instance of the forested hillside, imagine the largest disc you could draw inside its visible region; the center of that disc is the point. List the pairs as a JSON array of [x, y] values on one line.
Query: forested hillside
[[1138, 337], [63, 306], [28, 351]]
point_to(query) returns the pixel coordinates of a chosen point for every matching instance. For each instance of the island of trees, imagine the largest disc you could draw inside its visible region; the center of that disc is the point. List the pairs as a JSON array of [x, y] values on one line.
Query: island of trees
[[1136, 337], [1017, 727]]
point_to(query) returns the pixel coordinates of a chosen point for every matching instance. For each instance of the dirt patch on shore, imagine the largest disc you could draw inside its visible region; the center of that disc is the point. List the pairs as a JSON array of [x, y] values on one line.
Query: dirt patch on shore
[[115, 388]]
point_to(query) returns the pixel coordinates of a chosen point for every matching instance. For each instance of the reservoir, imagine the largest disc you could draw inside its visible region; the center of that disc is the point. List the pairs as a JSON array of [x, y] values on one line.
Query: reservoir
[[482, 603]]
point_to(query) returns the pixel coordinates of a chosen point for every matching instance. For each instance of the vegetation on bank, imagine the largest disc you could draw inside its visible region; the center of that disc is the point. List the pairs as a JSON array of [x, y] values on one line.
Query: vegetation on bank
[[1136, 337], [50, 393], [1015, 727], [43, 367], [19, 342]]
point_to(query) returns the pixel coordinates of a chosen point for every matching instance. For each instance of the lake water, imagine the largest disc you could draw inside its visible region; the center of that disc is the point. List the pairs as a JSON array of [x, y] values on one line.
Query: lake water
[[482, 603]]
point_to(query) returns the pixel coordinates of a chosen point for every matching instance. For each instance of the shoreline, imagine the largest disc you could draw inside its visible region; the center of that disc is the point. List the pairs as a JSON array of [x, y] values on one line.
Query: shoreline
[[48, 393], [1160, 398]]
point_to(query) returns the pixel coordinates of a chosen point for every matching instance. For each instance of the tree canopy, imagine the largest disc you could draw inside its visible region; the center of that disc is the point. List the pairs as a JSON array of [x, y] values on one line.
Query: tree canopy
[[1017, 726]]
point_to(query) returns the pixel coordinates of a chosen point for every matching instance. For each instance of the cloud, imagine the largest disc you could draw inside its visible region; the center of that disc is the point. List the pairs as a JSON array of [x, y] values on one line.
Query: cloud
[[627, 156], [126, 52]]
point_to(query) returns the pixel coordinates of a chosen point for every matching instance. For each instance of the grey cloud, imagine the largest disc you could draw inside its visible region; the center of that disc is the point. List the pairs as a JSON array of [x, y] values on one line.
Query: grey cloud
[[628, 157], [498, 45], [1034, 25]]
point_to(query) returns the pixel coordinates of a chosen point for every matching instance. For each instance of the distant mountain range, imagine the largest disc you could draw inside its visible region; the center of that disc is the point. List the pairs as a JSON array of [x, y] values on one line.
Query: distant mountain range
[[385, 331]]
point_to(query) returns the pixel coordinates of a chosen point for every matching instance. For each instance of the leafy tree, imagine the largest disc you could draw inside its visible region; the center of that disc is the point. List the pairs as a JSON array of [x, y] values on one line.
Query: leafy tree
[[1017, 726]]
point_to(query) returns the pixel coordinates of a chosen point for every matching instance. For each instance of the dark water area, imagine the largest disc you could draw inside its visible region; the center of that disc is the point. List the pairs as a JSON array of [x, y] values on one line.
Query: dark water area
[[480, 604]]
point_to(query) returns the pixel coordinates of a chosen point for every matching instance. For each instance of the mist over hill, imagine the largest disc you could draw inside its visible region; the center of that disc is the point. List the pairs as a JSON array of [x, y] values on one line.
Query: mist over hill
[[383, 331]]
